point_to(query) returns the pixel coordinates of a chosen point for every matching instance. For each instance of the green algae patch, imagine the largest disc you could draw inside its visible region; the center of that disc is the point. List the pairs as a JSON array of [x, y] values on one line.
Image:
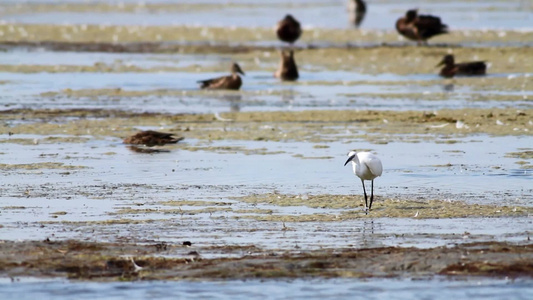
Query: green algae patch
[[40, 166], [526, 154], [14, 207], [352, 208]]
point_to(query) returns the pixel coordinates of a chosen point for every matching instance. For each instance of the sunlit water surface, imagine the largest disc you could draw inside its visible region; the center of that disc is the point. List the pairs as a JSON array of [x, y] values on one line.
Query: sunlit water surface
[[440, 288]]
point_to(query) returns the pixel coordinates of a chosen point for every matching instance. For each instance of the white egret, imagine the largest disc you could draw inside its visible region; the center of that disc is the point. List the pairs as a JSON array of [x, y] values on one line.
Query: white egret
[[366, 166]]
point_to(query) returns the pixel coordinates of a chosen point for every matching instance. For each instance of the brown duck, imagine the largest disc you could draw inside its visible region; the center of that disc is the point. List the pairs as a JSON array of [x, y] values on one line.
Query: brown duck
[[152, 138], [357, 10], [451, 69], [420, 27], [288, 29], [230, 82], [287, 67]]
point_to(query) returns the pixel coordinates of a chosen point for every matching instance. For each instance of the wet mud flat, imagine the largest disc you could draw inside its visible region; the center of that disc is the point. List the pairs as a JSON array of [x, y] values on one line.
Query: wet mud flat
[[111, 261], [455, 200], [311, 126]]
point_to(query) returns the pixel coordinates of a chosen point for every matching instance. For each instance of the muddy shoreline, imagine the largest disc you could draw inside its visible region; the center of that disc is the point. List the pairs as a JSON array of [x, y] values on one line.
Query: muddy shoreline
[[117, 262], [314, 126]]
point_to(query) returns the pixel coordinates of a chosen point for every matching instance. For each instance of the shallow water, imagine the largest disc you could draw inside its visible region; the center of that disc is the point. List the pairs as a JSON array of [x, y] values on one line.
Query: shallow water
[[492, 15], [111, 182], [175, 92], [454, 170], [438, 288]]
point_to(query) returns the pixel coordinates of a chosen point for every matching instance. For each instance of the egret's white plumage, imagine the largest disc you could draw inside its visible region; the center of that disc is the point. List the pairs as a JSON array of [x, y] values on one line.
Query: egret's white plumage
[[366, 166]]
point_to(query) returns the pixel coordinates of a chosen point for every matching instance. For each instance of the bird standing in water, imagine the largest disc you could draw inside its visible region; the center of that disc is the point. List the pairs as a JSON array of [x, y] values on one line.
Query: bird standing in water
[[288, 29], [451, 69], [420, 27], [230, 82], [366, 166], [357, 11], [287, 71]]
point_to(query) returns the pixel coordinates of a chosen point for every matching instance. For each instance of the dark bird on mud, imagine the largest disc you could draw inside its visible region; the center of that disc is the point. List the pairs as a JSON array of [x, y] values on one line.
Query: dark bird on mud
[[420, 27], [152, 138], [357, 10], [366, 166], [287, 71], [288, 29], [230, 82], [451, 69]]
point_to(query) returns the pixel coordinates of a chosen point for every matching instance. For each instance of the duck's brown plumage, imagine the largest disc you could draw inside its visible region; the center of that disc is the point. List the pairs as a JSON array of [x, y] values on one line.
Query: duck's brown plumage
[[152, 138], [230, 82], [289, 29], [357, 10], [287, 68], [451, 69], [420, 27]]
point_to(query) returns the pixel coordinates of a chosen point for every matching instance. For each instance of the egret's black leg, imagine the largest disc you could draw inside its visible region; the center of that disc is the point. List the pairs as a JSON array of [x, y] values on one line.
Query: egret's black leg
[[364, 191], [371, 194]]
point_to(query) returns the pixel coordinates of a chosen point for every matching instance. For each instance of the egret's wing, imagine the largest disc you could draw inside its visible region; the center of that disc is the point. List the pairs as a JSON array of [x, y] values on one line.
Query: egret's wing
[[374, 165]]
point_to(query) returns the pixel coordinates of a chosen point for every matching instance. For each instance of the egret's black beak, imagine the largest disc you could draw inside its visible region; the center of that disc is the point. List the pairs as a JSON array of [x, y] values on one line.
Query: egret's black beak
[[349, 159]]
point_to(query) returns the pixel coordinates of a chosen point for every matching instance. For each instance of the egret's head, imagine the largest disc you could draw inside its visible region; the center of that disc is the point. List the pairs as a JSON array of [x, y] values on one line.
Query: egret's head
[[351, 155]]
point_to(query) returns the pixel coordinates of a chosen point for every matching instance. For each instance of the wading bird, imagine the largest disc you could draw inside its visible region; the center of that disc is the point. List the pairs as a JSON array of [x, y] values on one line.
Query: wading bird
[[420, 27], [230, 82], [451, 69], [152, 138], [366, 166], [288, 29], [287, 67], [357, 11]]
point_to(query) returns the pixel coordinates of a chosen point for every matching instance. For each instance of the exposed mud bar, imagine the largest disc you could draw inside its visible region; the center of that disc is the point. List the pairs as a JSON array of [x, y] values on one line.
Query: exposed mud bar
[[95, 33], [197, 47], [135, 47], [315, 126], [110, 261]]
